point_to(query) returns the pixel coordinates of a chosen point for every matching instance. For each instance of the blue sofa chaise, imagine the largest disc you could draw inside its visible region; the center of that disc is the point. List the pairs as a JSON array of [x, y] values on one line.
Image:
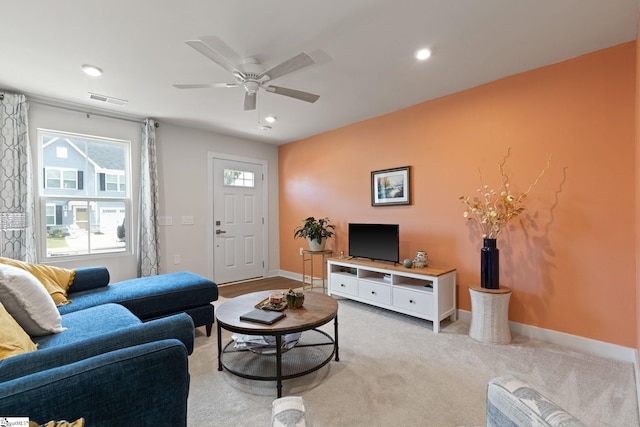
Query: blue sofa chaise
[[107, 367], [149, 297]]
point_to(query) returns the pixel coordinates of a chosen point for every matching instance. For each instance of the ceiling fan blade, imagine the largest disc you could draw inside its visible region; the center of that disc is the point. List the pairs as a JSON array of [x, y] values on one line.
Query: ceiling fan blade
[[217, 51], [193, 86], [289, 66], [249, 101], [297, 94], [204, 85]]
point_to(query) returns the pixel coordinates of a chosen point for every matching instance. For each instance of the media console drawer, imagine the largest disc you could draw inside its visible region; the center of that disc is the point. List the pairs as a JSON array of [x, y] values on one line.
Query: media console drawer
[[375, 292], [342, 282], [418, 301]]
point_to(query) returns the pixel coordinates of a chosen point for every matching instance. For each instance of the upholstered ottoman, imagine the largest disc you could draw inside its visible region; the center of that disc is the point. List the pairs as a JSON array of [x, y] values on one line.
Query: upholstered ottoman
[[147, 297]]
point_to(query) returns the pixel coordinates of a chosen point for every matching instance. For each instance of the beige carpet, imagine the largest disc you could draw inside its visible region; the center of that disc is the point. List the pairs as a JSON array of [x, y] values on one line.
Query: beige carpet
[[394, 371]]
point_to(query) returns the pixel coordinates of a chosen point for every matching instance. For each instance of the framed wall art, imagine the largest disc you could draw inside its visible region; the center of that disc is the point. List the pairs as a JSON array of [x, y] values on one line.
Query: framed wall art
[[390, 187]]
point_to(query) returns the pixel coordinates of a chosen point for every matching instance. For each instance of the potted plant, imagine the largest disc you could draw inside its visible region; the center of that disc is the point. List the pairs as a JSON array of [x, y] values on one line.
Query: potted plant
[[316, 231]]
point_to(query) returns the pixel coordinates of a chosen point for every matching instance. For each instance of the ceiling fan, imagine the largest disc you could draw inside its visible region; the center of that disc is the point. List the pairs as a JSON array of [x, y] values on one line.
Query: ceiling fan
[[248, 72]]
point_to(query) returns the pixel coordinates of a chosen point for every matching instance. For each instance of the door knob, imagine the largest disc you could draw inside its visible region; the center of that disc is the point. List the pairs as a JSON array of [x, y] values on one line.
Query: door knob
[[220, 231]]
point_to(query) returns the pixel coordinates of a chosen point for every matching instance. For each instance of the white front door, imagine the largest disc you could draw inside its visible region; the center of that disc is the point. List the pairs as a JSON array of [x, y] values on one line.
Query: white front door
[[238, 220]]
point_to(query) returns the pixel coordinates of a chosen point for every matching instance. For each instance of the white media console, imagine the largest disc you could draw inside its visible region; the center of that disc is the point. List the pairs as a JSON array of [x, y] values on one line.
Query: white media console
[[428, 293]]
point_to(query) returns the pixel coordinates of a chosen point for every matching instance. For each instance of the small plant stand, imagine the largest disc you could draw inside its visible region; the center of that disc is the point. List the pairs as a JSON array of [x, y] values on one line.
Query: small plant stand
[[308, 256]]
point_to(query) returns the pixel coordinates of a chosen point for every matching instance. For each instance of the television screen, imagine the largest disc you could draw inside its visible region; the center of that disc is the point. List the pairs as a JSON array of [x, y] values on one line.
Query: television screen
[[375, 241]]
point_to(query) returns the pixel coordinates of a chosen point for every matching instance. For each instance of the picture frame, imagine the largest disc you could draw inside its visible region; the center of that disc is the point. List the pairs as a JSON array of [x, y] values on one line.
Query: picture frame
[[391, 187]]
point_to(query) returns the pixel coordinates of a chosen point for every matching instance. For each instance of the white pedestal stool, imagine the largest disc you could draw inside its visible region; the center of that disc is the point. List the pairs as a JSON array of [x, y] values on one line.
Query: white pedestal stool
[[490, 315]]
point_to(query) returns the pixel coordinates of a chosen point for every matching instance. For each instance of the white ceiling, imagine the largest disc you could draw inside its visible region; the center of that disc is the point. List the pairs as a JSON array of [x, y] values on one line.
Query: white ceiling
[[365, 50]]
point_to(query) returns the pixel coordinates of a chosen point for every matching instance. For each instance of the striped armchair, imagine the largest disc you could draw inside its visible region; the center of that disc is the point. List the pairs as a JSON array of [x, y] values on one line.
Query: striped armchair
[[511, 402]]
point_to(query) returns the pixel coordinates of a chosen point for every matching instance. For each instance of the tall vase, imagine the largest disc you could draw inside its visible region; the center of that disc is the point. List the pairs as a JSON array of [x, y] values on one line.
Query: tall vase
[[490, 265]]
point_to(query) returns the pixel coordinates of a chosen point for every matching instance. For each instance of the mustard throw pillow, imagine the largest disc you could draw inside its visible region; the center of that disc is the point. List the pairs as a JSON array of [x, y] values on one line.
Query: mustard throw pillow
[[77, 423], [13, 339], [55, 279]]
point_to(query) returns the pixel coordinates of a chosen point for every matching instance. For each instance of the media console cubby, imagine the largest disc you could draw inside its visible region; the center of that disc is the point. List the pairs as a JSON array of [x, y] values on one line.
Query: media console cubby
[[428, 293]]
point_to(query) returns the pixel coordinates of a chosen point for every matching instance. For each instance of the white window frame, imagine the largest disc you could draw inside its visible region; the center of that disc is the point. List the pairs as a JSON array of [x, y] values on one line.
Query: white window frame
[[96, 200]]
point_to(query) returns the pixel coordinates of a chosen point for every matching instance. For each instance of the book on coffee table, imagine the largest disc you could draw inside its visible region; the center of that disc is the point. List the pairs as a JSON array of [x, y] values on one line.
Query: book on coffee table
[[266, 317]]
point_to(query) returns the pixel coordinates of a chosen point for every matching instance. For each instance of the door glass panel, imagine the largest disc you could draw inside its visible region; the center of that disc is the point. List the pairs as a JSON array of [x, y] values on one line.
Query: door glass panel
[[236, 178]]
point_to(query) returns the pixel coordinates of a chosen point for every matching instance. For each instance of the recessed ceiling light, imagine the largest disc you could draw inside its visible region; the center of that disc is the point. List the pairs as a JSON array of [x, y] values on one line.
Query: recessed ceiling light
[[423, 54], [270, 119], [92, 70], [265, 127]]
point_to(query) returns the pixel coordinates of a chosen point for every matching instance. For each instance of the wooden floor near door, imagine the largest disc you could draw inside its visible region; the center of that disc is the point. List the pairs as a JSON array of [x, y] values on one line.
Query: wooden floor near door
[[231, 290]]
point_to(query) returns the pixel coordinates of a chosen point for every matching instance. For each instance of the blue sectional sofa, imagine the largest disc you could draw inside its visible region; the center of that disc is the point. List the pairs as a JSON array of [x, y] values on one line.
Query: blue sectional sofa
[[147, 297], [116, 354], [107, 367]]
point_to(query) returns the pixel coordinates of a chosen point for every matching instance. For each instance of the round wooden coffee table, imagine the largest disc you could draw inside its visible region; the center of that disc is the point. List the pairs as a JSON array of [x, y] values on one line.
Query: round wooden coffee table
[[314, 349]]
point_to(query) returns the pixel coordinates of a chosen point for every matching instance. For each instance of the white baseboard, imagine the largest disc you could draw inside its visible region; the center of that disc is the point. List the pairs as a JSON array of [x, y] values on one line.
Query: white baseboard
[[637, 371], [298, 277], [290, 275], [273, 273], [574, 342]]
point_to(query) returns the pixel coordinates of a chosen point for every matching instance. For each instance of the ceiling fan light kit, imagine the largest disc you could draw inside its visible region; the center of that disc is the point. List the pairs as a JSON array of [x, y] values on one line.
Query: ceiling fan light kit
[[249, 73]]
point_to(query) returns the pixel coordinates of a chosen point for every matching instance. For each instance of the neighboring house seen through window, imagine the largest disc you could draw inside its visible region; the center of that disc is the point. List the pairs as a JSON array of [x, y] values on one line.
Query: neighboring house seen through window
[[84, 194]]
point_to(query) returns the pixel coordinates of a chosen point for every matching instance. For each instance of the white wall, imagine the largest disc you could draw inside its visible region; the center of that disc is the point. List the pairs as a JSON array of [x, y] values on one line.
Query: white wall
[[182, 156], [183, 167]]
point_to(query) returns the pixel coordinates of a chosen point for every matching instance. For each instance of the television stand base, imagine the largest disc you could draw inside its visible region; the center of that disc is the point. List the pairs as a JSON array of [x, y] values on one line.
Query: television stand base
[[427, 293]]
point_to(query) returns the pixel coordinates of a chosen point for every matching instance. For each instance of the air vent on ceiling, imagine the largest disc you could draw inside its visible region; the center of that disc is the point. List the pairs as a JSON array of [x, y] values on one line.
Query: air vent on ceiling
[[107, 99]]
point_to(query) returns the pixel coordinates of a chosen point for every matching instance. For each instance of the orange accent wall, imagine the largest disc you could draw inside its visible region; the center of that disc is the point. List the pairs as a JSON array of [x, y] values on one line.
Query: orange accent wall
[[637, 196], [569, 258]]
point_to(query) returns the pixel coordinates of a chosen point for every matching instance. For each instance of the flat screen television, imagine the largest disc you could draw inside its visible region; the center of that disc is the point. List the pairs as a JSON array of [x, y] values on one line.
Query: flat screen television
[[377, 242]]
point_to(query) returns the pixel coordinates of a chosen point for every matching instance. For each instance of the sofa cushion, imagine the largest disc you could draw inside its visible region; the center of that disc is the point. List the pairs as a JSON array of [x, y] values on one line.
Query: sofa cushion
[[13, 339], [179, 326], [144, 385], [89, 278], [28, 301], [55, 279], [150, 297], [88, 323]]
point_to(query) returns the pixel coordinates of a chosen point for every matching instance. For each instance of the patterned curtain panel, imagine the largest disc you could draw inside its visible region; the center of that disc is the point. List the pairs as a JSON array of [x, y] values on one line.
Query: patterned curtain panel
[[149, 253], [17, 202]]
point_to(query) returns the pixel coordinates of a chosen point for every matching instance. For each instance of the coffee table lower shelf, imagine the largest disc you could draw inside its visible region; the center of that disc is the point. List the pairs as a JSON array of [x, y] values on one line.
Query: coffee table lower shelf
[[315, 349]]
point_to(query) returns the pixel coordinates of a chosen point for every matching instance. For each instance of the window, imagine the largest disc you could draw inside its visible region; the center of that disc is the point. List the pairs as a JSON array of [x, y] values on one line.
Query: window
[[112, 181], [62, 178], [84, 193], [237, 178], [51, 214]]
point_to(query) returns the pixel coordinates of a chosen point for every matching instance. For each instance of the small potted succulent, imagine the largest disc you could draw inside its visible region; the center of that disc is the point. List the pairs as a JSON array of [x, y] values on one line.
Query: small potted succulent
[[316, 231], [294, 299]]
